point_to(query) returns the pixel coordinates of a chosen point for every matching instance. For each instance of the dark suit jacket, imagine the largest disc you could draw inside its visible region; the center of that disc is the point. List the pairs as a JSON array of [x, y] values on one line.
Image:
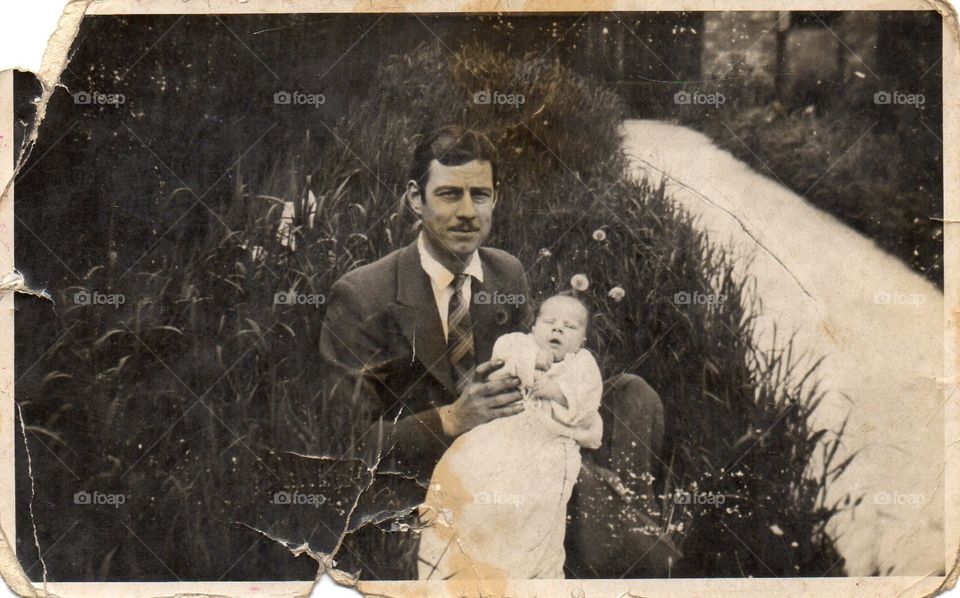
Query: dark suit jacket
[[384, 352]]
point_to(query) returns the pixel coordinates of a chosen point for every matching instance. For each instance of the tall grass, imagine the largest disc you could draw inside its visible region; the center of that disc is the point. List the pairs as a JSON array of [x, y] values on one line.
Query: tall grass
[[201, 397]]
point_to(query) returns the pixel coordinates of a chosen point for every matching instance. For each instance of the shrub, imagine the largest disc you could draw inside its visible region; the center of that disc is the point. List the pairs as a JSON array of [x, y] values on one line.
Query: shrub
[[839, 160], [199, 398]]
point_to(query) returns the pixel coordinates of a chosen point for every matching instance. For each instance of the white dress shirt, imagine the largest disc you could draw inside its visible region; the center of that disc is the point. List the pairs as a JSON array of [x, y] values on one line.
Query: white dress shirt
[[441, 280]]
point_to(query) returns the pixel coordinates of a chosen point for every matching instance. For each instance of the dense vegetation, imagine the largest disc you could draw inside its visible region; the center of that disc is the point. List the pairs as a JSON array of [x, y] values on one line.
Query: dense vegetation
[[197, 397]]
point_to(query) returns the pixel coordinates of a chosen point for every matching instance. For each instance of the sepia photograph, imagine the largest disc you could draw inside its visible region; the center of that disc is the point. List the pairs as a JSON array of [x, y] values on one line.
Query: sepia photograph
[[506, 302]]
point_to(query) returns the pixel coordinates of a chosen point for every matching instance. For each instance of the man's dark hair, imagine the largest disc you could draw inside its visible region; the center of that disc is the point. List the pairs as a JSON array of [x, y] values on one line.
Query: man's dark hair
[[451, 145]]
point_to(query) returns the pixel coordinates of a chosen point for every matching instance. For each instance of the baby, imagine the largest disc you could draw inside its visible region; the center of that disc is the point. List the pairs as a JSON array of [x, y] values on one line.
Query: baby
[[497, 503]]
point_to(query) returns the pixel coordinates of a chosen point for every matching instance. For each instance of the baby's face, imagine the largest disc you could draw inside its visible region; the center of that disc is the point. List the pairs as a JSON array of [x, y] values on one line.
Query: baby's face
[[561, 326]]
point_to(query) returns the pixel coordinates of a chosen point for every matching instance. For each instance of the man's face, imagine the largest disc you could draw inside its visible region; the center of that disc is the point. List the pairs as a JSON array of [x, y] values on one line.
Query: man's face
[[456, 206]]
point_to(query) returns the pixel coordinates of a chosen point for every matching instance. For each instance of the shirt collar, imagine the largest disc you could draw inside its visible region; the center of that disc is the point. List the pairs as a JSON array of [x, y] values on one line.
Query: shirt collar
[[438, 273]]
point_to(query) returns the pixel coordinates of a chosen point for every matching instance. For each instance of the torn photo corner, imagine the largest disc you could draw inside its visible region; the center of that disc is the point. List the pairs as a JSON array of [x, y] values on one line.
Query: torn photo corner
[[489, 300]]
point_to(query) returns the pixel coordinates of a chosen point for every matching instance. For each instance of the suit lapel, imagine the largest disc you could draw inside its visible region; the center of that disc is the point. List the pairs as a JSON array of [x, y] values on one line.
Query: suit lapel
[[418, 317]]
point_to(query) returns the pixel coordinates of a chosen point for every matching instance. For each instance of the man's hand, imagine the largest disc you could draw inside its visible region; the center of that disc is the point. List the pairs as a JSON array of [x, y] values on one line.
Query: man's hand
[[482, 400]]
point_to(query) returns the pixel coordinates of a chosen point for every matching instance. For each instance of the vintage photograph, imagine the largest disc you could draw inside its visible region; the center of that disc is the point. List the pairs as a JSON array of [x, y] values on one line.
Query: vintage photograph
[[468, 299]]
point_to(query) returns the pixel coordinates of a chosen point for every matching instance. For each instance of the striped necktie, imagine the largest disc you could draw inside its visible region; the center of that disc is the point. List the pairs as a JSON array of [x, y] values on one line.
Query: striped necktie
[[460, 336]]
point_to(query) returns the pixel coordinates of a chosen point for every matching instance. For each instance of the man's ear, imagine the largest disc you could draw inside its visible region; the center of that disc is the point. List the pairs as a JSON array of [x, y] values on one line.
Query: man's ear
[[414, 197]]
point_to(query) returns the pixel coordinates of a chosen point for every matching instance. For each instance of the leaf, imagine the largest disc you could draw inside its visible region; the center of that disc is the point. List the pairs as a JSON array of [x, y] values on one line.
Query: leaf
[[45, 432], [338, 193], [837, 471], [116, 369], [55, 376], [710, 395], [254, 326], [743, 439], [816, 436], [710, 366], [170, 328], [103, 338]]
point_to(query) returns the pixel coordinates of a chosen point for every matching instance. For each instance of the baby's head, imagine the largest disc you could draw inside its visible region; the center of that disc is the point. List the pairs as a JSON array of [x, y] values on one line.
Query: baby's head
[[561, 325]]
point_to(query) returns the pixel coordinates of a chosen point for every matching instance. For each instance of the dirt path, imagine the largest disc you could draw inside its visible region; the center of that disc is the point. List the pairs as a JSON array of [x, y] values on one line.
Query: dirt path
[[878, 324]]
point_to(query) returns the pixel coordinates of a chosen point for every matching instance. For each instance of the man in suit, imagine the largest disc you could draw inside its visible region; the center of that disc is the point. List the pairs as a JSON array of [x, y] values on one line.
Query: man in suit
[[407, 347]]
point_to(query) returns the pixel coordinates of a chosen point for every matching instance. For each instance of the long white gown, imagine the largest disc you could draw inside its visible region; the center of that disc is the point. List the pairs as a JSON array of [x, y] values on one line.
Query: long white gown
[[497, 503]]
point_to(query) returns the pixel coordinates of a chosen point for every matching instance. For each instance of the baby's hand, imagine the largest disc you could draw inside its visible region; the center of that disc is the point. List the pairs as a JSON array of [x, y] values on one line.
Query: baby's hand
[[548, 390], [544, 360]]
